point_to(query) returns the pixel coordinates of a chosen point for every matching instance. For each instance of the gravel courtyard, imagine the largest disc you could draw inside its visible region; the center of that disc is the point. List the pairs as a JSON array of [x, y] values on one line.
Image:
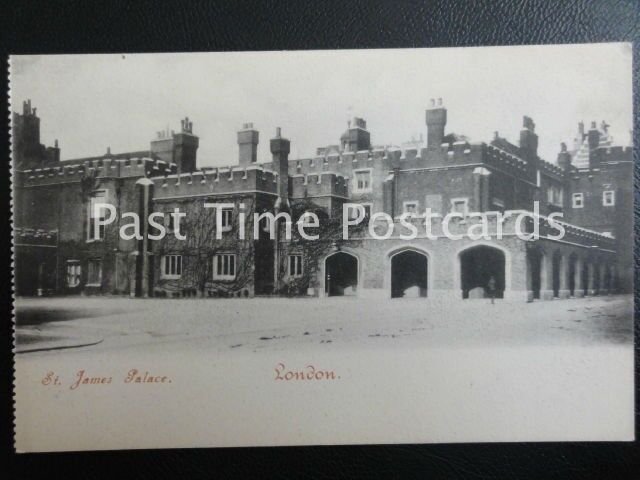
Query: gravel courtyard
[[406, 370], [52, 325]]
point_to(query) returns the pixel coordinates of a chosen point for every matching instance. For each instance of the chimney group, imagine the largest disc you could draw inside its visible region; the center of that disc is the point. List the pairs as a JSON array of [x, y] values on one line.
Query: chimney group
[[436, 119], [248, 139]]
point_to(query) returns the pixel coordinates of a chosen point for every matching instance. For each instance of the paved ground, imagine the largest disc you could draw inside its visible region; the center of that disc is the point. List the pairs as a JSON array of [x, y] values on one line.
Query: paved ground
[[48, 326]]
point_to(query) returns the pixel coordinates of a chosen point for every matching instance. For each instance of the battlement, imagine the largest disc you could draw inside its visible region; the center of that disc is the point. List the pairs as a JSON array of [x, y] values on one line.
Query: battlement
[[499, 158], [612, 154], [445, 155], [457, 150], [319, 184], [342, 163], [99, 168], [551, 169], [216, 181]]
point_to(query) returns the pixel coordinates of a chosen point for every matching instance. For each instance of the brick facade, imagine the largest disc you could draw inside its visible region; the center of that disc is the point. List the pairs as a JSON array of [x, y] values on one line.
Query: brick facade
[[447, 173]]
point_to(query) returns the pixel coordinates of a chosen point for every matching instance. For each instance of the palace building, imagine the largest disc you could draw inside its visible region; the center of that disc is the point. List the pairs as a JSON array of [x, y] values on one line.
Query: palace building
[[58, 251]]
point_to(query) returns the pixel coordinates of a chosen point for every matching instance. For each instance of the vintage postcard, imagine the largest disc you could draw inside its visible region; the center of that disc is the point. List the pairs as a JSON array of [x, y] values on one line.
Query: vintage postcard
[[323, 247]]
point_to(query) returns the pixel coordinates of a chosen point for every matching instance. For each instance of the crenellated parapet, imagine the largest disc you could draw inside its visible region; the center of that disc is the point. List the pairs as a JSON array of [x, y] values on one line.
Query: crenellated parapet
[[99, 168], [457, 152], [445, 155], [216, 181], [319, 184], [612, 154], [505, 161], [340, 162], [551, 170]]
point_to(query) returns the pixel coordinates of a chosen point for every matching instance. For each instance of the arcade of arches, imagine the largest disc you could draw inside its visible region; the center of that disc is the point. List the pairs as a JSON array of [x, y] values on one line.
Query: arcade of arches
[[556, 273], [541, 272]]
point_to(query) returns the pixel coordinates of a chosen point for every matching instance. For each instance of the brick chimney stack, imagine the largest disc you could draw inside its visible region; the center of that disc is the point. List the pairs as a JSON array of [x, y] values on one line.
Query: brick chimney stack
[[180, 148], [593, 137], [248, 139], [564, 157], [528, 139], [436, 118], [280, 148], [593, 140]]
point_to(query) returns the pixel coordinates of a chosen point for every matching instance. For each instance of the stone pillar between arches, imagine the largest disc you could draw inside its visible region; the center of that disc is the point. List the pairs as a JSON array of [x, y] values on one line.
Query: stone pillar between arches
[[578, 290], [546, 277], [564, 291], [591, 279]]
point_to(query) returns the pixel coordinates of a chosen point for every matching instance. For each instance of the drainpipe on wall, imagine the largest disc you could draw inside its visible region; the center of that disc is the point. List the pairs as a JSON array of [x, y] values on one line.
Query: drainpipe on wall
[[145, 187], [280, 148]]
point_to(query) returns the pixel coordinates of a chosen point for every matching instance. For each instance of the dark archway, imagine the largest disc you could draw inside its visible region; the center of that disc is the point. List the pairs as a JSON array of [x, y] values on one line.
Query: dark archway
[[573, 266], [478, 265], [341, 275], [535, 258], [556, 265], [409, 273]]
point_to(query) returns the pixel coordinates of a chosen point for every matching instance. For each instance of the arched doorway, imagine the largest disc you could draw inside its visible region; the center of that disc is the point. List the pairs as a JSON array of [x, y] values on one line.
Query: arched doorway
[[341, 275], [478, 266], [409, 274]]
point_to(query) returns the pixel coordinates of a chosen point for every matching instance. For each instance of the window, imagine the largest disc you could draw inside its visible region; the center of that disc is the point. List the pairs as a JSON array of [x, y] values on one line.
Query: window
[[227, 219], [577, 200], [459, 205], [410, 208], [554, 196], [353, 211], [295, 265], [362, 181], [608, 198], [171, 266], [73, 273], [224, 266], [96, 197], [94, 272]]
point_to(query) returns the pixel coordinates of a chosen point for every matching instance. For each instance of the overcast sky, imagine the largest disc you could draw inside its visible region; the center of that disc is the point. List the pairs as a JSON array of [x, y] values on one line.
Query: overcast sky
[[89, 102]]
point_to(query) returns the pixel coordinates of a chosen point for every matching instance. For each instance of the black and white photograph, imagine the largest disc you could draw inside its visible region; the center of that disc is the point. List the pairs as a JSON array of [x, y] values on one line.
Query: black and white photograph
[[323, 247]]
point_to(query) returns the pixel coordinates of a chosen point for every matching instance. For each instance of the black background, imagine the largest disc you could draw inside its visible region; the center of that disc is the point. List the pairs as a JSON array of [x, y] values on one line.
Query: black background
[[143, 26]]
